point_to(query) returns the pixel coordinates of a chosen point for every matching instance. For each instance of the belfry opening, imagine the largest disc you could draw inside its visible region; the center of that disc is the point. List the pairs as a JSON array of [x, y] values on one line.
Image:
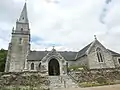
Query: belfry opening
[[53, 67]]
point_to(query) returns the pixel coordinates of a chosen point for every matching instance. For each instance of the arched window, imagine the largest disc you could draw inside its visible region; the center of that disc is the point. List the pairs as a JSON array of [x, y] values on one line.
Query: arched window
[[99, 55], [67, 67], [66, 64], [119, 61], [32, 66], [21, 29], [20, 40], [39, 66]]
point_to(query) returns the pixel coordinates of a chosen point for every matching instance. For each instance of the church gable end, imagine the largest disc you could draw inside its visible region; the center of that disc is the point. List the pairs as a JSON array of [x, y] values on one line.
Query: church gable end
[[99, 56]]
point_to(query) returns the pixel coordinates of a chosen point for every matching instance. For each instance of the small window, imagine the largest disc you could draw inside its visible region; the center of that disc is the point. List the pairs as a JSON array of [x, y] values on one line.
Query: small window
[[32, 66], [20, 40], [99, 55], [67, 64], [119, 61], [23, 18], [39, 66], [21, 29]]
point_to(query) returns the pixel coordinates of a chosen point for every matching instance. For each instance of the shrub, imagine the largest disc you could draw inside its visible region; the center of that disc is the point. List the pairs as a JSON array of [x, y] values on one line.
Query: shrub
[[89, 84], [101, 80], [77, 68]]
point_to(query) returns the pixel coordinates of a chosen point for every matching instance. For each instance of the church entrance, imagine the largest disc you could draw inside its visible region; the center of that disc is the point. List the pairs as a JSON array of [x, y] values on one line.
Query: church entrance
[[53, 67]]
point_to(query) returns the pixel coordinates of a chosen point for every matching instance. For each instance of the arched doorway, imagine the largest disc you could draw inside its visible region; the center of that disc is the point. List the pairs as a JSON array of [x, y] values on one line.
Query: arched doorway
[[53, 67]]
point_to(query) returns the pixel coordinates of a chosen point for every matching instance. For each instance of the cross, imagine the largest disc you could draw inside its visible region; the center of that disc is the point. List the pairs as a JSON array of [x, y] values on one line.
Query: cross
[[53, 47], [45, 49], [95, 37]]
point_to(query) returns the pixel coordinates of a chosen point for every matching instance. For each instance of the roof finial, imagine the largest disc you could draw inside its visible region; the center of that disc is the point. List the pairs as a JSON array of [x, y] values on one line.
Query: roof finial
[[53, 47], [13, 30], [45, 49], [95, 37]]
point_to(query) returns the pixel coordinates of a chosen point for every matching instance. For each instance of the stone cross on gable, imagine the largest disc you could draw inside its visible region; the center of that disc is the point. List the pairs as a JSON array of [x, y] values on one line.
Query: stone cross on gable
[[53, 50], [95, 37], [53, 47]]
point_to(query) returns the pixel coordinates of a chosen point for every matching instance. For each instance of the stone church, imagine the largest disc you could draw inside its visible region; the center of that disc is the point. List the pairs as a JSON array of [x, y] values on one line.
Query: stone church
[[20, 58]]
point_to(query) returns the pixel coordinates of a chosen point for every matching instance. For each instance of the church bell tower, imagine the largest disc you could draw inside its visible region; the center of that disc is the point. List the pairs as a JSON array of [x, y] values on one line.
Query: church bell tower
[[19, 47]]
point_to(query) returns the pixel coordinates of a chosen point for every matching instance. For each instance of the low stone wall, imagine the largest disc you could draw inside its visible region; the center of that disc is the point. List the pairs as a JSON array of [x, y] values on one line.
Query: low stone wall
[[30, 79], [97, 76]]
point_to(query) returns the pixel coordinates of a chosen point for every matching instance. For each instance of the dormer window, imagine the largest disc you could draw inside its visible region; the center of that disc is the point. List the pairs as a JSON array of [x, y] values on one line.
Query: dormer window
[[99, 55]]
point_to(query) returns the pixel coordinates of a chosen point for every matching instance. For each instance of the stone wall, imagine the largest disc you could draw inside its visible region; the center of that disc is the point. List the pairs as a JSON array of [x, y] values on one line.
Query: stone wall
[[93, 59], [92, 76], [32, 79], [116, 62]]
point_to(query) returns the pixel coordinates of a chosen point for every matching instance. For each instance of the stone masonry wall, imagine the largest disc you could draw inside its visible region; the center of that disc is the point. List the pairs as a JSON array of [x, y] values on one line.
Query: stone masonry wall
[[33, 79], [93, 59]]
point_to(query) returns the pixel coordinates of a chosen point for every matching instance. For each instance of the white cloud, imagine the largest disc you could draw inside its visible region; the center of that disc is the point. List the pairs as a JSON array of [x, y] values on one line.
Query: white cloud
[[71, 23]]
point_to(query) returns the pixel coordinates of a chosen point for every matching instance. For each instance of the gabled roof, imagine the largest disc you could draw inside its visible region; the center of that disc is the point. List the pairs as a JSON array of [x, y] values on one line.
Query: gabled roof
[[68, 55], [83, 51], [38, 55], [113, 53]]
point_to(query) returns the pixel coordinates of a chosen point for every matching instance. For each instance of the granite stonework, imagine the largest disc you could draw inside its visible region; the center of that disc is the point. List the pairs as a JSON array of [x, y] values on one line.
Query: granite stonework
[[20, 58]]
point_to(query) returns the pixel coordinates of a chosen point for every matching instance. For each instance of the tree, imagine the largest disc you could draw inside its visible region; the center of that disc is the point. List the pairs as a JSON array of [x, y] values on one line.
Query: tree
[[3, 55]]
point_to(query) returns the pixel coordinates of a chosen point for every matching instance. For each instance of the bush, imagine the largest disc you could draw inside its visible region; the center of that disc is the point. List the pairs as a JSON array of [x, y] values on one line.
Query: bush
[[89, 84], [76, 68], [101, 80], [3, 55]]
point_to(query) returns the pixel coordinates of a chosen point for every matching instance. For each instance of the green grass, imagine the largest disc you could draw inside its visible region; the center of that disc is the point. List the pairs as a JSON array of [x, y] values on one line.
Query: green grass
[[22, 88], [93, 84]]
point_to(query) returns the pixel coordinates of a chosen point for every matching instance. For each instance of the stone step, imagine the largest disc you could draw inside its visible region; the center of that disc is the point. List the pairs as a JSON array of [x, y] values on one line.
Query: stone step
[[57, 82]]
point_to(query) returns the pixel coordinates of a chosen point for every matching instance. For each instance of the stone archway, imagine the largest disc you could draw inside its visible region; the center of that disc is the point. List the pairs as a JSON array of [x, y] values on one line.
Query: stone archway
[[53, 67]]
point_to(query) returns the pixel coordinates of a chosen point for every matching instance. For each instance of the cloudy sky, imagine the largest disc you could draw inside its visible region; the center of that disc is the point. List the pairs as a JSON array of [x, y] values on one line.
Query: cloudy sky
[[65, 24]]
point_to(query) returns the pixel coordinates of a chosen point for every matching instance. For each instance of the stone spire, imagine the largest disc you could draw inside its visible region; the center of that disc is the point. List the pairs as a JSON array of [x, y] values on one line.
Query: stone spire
[[23, 17]]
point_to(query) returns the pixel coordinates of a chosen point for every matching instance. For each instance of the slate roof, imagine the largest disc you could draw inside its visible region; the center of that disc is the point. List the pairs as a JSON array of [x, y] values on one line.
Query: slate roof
[[68, 55], [38, 55], [83, 51], [114, 53]]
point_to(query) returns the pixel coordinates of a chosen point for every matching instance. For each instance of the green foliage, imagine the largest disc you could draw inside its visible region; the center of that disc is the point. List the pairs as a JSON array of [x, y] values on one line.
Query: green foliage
[[3, 55], [101, 80], [93, 84], [89, 84], [76, 68], [22, 88]]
